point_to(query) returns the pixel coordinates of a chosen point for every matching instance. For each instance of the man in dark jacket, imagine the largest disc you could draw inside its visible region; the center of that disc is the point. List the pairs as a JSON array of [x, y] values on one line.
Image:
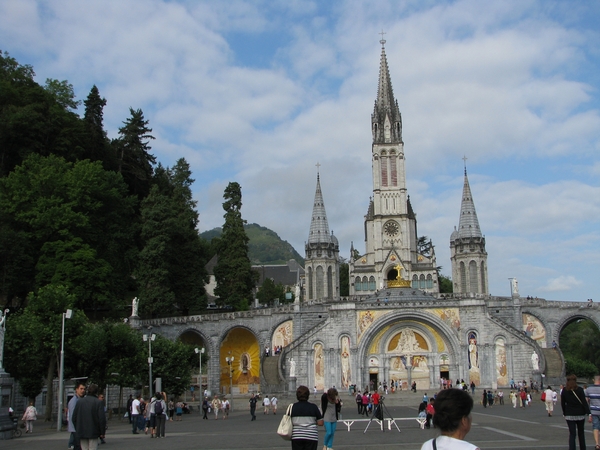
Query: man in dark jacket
[[89, 419]]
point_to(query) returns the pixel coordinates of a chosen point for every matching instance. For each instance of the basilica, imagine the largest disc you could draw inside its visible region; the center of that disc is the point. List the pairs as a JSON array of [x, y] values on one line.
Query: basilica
[[395, 326]]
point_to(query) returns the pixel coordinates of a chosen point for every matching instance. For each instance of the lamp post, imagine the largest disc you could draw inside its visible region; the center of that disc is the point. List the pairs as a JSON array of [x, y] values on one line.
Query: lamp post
[[149, 337], [200, 351], [61, 384], [229, 360]]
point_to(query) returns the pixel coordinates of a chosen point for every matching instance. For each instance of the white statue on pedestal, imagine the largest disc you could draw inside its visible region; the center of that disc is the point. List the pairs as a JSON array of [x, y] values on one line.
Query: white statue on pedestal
[[535, 361], [292, 367], [134, 307]]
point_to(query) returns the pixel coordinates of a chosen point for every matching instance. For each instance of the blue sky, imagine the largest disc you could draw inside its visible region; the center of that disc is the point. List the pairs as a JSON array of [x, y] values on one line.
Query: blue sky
[[258, 92]]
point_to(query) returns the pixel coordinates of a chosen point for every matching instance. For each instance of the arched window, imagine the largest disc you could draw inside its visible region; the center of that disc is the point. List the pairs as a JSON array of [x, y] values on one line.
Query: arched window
[[365, 283], [463, 277], [371, 283], [329, 283], [357, 284], [473, 277], [310, 284], [415, 282], [429, 281], [482, 273], [320, 281], [422, 282]]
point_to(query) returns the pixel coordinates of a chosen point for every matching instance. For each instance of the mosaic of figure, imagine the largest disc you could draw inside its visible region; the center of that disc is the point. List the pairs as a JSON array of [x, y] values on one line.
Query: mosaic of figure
[[283, 334], [473, 358], [345, 359], [319, 367], [534, 329], [408, 342], [501, 370]]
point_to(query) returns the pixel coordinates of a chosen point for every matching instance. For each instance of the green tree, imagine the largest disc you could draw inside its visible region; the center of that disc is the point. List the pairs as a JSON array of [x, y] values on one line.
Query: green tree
[[270, 291], [63, 92], [33, 340], [580, 343], [233, 272], [97, 144], [171, 271], [134, 159], [77, 223], [445, 284], [110, 353]]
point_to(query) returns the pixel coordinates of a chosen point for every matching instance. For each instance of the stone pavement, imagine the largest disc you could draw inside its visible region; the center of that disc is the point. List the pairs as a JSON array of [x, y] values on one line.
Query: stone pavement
[[499, 427]]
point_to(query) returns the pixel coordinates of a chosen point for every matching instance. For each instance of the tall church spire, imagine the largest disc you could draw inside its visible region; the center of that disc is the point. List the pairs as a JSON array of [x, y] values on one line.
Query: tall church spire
[[468, 225], [319, 228], [467, 249], [386, 120]]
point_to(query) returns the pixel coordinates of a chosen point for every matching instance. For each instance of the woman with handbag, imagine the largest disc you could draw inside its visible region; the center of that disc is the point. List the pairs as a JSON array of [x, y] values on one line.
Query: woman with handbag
[[29, 416], [575, 410], [305, 419]]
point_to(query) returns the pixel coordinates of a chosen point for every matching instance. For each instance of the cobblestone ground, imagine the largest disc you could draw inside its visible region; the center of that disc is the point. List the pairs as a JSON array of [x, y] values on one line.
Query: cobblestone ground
[[499, 427]]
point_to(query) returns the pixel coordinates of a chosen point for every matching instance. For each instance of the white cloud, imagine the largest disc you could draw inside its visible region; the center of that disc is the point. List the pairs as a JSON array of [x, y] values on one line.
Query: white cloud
[[561, 283]]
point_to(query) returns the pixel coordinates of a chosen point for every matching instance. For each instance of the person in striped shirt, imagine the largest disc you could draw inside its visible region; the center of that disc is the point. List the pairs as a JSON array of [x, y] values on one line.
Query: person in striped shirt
[[593, 397], [306, 417]]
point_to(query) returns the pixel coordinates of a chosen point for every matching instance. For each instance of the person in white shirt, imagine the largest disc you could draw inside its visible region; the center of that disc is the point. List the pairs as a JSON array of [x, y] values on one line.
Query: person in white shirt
[[267, 404], [453, 417], [548, 400], [274, 404]]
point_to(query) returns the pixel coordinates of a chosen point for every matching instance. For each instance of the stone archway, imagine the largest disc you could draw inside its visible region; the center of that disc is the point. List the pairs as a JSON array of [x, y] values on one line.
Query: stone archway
[[200, 379], [243, 374]]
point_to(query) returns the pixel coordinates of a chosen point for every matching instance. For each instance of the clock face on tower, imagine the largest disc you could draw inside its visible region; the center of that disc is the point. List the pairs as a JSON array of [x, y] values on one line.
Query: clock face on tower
[[391, 228]]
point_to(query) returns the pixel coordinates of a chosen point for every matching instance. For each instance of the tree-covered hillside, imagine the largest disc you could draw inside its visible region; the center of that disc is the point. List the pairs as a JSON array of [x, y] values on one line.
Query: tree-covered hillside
[[265, 246]]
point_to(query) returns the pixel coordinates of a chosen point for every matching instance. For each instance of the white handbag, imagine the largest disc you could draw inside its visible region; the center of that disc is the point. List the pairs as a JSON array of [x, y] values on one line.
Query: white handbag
[[285, 426]]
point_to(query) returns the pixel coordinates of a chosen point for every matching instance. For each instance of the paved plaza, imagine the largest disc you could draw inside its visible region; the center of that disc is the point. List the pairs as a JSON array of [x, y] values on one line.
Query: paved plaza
[[499, 427]]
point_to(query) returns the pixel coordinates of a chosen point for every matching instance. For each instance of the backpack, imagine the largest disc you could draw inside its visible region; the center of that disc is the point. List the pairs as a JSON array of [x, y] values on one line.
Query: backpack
[[158, 407]]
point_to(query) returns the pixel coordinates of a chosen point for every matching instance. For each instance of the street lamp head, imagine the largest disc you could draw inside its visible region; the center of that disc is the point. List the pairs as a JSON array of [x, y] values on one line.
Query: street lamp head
[[69, 313], [199, 350]]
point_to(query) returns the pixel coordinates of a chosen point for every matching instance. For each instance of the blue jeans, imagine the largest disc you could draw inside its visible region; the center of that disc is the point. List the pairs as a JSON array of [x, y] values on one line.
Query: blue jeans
[[329, 434]]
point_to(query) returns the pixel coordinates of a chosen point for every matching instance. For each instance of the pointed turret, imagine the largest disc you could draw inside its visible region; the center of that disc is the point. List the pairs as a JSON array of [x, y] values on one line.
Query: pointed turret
[[386, 120], [467, 249], [322, 266], [468, 225], [319, 228]]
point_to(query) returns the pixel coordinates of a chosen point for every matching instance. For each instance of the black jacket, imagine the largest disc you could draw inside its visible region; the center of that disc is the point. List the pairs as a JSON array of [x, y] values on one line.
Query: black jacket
[[89, 418], [574, 403]]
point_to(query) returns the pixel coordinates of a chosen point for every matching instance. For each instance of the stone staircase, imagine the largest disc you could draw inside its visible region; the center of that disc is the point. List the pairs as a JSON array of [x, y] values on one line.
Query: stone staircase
[[555, 374], [270, 371]]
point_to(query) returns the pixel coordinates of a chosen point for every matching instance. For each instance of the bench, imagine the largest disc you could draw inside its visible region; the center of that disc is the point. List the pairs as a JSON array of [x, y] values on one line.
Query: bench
[[390, 420]]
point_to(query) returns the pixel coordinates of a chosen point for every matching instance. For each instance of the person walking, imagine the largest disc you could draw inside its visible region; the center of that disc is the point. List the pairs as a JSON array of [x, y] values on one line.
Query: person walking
[[274, 404], [216, 406], [484, 400], [359, 402], [593, 398], [89, 419], [135, 413], [575, 410], [266, 404], [159, 409], [79, 393], [305, 419], [29, 416], [225, 408], [453, 417], [513, 398], [253, 401], [430, 411], [205, 408], [548, 400], [104, 408], [331, 406]]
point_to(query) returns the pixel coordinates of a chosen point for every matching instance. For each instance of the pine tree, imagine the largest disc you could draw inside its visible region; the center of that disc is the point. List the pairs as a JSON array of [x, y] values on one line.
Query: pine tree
[[233, 272], [134, 161], [97, 144]]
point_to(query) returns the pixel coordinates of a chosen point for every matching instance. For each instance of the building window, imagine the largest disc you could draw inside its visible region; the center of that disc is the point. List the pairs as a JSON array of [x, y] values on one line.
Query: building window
[[372, 283], [357, 284]]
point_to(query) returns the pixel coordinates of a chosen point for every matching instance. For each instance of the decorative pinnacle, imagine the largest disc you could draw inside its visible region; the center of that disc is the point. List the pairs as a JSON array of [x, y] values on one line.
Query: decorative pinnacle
[[382, 41]]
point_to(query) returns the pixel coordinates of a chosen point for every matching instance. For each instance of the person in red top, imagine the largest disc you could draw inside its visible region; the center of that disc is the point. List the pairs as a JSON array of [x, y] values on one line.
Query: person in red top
[[523, 396], [377, 413], [430, 412]]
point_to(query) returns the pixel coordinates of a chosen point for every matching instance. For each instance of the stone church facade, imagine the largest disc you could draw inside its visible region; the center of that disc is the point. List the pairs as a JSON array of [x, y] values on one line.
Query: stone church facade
[[395, 325]]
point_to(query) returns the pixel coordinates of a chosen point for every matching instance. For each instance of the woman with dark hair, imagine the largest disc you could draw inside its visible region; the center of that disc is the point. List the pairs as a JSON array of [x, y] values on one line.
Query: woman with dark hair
[[453, 418], [305, 418], [331, 406], [575, 410]]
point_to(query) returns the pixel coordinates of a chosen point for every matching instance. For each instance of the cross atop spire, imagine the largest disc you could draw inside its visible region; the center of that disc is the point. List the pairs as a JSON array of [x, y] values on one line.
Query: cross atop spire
[[464, 158], [382, 41]]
